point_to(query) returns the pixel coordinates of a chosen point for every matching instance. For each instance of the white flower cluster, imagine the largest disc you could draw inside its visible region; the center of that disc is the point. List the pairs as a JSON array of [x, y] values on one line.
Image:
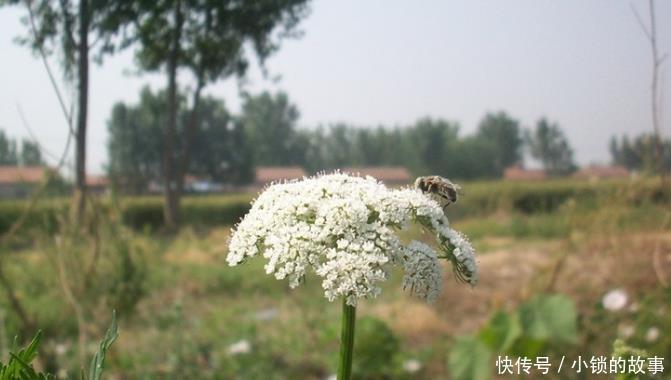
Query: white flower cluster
[[344, 228]]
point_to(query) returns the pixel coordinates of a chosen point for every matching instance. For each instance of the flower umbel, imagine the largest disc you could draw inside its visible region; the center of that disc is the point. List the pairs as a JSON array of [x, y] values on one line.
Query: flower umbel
[[344, 228]]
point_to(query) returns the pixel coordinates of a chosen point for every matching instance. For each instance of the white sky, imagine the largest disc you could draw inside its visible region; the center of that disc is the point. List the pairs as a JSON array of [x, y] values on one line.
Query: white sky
[[583, 63]]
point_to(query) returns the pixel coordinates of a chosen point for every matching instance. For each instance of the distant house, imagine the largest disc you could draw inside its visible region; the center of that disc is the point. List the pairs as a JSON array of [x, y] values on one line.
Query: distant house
[[18, 181], [519, 173], [266, 174], [97, 184], [596, 172], [390, 175]]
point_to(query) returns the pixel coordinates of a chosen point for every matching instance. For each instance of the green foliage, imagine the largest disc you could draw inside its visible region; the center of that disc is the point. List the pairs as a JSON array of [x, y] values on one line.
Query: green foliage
[[504, 135], [28, 155], [533, 207], [536, 326], [427, 146], [549, 318], [549, 145], [219, 149], [269, 122], [470, 359], [139, 213], [146, 212], [640, 153], [502, 331], [376, 348], [211, 35], [98, 361], [8, 154], [19, 366]]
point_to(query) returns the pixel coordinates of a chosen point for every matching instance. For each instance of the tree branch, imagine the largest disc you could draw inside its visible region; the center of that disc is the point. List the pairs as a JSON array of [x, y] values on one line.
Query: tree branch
[[43, 55]]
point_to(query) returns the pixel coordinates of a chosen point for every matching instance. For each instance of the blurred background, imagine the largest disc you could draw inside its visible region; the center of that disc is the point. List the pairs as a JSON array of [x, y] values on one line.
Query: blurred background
[[134, 135]]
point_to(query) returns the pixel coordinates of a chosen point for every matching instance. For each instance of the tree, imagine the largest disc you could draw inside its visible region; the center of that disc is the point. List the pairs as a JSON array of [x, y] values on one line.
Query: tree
[[431, 142], [221, 152], [549, 145], [269, 121], [644, 153], [655, 88], [70, 29], [30, 154], [504, 136], [134, 147], [7, 150], [207, 38]]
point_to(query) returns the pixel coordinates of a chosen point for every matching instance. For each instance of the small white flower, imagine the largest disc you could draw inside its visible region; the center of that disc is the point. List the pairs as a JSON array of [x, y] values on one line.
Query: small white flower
[[412, 365], [266, 314], [61, 349], [626, 331], [614, 300], [344, 229], [652, 334], [240, 347]]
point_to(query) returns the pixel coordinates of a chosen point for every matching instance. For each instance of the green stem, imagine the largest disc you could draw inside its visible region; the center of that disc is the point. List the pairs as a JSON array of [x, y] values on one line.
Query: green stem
[[346, 341]]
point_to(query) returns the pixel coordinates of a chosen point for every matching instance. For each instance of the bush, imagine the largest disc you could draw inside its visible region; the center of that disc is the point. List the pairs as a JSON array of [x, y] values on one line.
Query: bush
[[544, 322], [375, 349], [483, 198], [137, 212], [478, 199]]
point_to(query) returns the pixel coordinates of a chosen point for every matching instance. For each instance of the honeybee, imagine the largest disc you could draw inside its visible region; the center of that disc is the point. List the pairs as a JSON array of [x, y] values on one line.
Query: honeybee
[[441, 189]]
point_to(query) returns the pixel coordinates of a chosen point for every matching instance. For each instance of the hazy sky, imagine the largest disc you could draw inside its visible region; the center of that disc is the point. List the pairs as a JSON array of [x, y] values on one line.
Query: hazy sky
[[585, 64]]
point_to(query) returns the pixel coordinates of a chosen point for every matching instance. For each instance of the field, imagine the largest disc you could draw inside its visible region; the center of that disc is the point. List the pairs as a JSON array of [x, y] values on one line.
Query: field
[[185, 314]]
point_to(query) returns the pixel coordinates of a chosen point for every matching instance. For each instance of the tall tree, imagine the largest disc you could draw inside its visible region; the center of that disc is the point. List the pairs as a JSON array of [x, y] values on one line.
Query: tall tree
[[70, 29], [549, 145], [644, 153], [30, 154], [269, 121], [655, 89], [8, 154], [431, 141], [134, 150], [220, 151], [504, 134], [207, 38]]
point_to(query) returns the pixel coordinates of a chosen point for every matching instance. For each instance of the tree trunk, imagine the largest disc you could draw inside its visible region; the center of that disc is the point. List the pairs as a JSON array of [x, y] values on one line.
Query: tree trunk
[[82, 110], [656, 61], [171, 203]]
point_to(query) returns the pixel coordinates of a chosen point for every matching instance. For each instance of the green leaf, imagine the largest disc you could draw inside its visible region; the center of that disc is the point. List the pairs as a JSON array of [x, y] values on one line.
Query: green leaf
[[29, 353], [19, 365], [98, 362], [550, 317], [501, 331], [470, 359]]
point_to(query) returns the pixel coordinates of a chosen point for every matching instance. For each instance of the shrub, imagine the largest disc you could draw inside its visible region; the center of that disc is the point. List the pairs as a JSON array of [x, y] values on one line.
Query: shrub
[[376, 349]]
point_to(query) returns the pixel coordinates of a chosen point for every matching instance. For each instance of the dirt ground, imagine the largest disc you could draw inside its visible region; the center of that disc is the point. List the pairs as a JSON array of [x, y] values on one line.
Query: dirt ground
[[585, 271]]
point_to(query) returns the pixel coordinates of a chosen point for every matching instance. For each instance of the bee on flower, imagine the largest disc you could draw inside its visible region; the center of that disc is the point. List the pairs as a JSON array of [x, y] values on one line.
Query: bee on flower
[[441, 189], [344, 229]]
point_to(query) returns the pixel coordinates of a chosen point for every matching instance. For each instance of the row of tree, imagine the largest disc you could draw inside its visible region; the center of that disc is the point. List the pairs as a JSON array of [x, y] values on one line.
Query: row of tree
[[266, 133], [645, 153], [27, 154], [208, 40]]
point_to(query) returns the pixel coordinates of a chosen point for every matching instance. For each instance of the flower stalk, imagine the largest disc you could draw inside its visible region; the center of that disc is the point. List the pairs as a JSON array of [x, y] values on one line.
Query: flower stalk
[[346, 341]]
